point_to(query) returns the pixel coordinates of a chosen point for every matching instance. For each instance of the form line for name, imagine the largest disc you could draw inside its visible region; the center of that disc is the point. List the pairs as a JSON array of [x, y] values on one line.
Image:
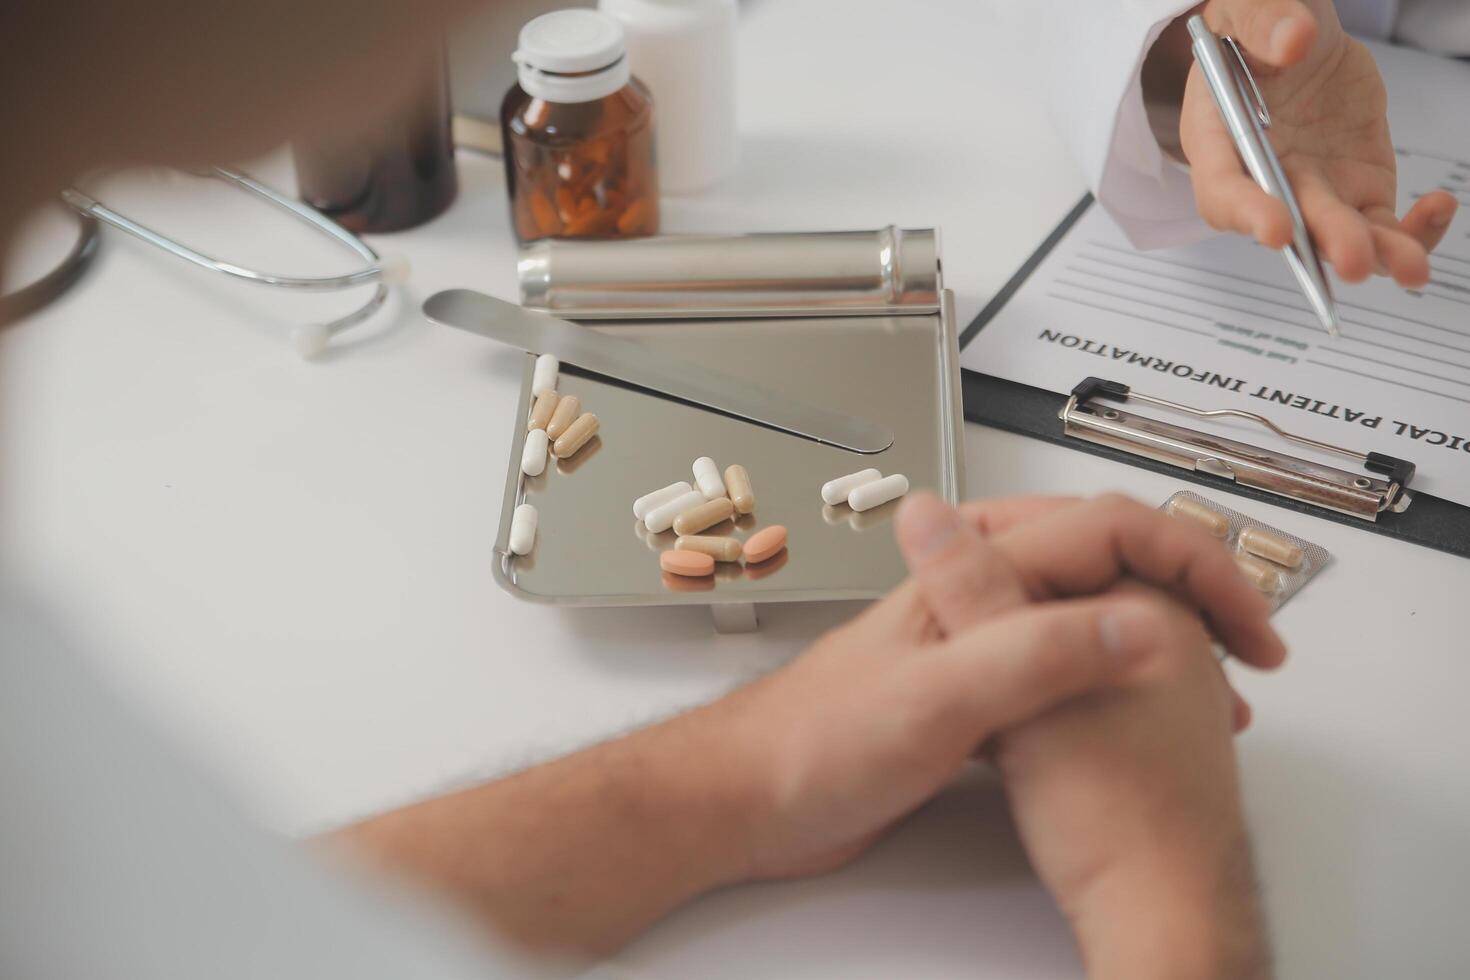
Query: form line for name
[[1390, 364], [1132, 299], [1431, 358], [1269, 285], [1441, 270], [1386, 381], [1206, 302], [1136, 316], [1258, 299], [1451, 288]]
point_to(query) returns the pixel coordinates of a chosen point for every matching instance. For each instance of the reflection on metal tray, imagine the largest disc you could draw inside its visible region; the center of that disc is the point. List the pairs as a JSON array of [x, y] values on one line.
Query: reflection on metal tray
[[903, 369]]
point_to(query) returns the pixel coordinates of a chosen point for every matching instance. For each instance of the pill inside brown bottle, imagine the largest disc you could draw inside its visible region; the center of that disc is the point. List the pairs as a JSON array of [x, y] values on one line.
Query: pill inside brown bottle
[[578, 134]]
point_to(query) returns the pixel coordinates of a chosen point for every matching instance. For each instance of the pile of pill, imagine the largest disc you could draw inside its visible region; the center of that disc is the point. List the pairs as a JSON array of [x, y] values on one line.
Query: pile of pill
[[690, 509], [1276, 563], [556, 423], [864, 489], [557, 426]]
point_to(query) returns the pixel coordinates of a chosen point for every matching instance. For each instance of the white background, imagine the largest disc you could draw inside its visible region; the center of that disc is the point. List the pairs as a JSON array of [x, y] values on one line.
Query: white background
[[289, 563]]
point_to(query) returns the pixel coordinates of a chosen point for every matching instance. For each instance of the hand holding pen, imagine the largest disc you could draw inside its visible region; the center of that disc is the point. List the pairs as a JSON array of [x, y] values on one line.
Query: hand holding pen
[[1329, 129]]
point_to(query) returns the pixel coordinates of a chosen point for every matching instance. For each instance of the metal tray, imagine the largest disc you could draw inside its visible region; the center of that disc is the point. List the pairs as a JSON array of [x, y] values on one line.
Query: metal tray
[[590, 551]]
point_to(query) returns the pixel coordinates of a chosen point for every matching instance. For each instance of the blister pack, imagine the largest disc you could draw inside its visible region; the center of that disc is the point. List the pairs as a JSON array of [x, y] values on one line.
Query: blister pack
[[1277, 563]]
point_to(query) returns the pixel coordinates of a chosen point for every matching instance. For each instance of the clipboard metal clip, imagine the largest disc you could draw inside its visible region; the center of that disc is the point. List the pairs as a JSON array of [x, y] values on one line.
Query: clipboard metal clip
[[1299, 479]]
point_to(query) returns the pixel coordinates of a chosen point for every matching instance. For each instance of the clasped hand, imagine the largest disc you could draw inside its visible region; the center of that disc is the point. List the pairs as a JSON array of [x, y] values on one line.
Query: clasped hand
[[1072, 639], [1069, 640]]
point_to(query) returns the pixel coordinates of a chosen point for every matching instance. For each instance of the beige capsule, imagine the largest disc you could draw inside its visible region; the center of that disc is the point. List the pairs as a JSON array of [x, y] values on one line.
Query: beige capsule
[[575, 436], [566, 413], [720, 549], [1208, 518], [1272, 547], [737, 485], [542, 411], [1260, 574], [707, 514]]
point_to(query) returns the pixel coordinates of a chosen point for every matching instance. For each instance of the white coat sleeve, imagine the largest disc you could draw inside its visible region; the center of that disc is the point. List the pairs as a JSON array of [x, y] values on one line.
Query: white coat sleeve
[[1088, 56]]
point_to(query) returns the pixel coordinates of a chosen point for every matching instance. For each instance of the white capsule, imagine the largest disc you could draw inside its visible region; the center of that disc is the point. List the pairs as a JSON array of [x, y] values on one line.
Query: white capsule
[[523, 530], [533, 454], [707, 478], [649, 501], [835, 491], [543, 378], [661, 518], [870, 495]]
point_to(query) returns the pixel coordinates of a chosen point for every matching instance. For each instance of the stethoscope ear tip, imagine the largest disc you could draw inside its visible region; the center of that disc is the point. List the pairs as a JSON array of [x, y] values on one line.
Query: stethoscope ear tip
[[393, 269], [310, 339]]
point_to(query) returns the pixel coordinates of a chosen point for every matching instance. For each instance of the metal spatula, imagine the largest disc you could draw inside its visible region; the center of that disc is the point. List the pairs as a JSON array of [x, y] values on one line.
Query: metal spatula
[[645, 366]]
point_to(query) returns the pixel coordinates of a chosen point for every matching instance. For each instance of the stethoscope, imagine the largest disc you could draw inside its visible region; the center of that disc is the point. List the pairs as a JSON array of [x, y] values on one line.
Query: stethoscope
[[308, 339]]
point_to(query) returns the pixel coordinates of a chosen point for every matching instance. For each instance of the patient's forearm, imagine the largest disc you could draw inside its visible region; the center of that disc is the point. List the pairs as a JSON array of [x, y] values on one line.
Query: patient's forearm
[[582, 853]]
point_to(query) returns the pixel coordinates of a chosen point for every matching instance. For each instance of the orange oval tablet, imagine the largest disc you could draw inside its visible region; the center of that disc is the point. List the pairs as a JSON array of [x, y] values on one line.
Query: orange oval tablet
[[683, 583], [690, 563], [758, 570], [765, 543]]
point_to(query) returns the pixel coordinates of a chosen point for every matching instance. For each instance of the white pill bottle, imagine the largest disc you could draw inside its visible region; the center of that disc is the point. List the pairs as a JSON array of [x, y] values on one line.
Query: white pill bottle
[[684, 52]]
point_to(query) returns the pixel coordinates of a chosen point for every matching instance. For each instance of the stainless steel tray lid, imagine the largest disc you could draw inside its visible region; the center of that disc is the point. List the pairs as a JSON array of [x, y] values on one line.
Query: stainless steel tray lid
[[890, 270]]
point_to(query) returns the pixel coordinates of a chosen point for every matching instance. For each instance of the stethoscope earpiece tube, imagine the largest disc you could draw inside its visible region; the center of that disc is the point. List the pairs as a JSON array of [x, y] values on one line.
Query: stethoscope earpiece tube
[[308, 339]]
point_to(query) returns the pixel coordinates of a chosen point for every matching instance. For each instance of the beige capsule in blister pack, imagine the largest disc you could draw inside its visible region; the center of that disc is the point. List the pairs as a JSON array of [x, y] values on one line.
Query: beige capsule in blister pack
[[1275, 562]]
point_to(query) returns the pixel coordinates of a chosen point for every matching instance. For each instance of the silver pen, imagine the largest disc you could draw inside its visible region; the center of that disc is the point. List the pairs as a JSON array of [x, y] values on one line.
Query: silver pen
[[1232, 85]]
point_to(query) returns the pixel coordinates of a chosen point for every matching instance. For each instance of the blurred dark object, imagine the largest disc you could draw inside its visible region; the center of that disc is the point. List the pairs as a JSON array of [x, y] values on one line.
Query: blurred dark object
[[39, 289], [395, 175]]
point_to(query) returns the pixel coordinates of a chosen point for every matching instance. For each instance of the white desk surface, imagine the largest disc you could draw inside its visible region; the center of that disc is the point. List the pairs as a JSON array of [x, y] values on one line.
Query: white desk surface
[[290, 562]]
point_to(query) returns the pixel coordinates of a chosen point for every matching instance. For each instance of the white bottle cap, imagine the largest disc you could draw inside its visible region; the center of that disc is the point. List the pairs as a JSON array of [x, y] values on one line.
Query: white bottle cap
[[572, 56]]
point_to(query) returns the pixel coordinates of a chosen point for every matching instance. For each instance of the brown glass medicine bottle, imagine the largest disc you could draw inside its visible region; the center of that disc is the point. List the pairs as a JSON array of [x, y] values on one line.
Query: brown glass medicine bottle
[[578, 133]]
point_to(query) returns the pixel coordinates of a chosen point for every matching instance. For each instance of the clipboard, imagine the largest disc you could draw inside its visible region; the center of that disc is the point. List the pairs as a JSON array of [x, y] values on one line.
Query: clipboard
[[1401, 511]]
